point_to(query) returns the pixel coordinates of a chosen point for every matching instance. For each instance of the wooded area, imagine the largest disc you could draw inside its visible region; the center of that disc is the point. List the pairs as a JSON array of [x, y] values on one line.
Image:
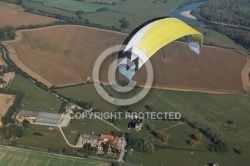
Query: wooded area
[[229, 17]]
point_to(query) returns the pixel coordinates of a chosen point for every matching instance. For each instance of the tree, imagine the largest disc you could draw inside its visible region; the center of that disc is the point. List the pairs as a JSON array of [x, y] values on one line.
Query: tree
[[25, 123], [238, 151], [19, 2], [79, 12], [142, 146], [124, 23], [114, 150], [13, 143], [19, 132], [105, 148], [219, 147], [162, 136], [191, 142], [198, 137]]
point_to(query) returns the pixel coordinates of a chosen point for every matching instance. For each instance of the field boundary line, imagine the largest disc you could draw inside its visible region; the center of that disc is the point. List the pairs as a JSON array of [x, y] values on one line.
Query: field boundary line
[[244, 75]]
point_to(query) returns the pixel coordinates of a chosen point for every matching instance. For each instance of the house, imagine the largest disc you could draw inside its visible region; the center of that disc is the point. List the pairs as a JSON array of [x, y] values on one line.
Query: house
[[112, 141], [3, 85], [105, 138], [89, 138]]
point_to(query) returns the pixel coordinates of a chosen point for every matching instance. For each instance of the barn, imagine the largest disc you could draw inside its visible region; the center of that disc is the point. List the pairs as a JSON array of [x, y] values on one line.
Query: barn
[[42, 118]]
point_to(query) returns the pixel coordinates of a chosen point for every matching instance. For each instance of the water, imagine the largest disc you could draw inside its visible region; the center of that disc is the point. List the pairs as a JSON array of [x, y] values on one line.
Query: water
[[177, 14]]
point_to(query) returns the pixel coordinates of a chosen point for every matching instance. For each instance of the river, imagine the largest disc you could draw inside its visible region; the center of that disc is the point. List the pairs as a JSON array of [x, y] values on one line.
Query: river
[[176, 13]]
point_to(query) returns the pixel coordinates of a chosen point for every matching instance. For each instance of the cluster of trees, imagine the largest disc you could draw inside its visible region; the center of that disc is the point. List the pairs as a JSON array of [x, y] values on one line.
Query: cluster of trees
[[4, 69], [13, 130], [101, 2], [195, 138], [77, 138], [162, 136], [240, 36], [227, 17], [124, 23], [140, 145], [87, 148], [7, 33], [7, 118], [188, 2], [102, 9], [218, 146], [53, 150], [117, 133], [84, 104], [226, 11], [38, 134]]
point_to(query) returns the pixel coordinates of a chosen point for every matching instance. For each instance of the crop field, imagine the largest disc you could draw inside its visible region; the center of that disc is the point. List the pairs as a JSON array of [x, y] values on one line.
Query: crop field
[[72, 52], [71, 5], [5, 102], [15, 16], [14, 156], [34, 97]]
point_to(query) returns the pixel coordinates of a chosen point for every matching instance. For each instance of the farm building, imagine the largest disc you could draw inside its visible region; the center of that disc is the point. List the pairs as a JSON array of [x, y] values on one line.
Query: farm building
[[98, 141], [42, 118], [3, 85], [89, 138]]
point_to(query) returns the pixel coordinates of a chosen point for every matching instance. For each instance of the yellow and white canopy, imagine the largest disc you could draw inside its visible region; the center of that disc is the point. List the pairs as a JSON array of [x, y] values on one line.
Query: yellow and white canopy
[[144, 41]]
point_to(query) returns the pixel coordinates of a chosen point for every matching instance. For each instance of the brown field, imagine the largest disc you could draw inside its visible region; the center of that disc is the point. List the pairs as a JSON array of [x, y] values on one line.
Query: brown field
[[14, 15], [5, 102], [66, 54]]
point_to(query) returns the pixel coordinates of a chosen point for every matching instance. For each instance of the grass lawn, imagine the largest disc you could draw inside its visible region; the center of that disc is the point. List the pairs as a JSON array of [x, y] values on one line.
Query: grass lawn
[[87, 93], [175, 157], [34, 97], [208, 110], [72, 5], [87, 126], [14, 156], [50, 138]]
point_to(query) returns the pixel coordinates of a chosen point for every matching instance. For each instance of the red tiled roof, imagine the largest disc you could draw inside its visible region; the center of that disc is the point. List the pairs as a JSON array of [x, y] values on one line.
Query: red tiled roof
[[109, 137], [114, 141]]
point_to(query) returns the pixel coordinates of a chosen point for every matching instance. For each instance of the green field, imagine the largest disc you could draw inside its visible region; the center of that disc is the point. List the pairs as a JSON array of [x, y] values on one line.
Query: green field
[[50, 138], [47, 9], [208, 110], [176, 157], [34, 97], [89, 94], [136, 12], [14, 156], [86, 126], [71, 5], [215, 38]]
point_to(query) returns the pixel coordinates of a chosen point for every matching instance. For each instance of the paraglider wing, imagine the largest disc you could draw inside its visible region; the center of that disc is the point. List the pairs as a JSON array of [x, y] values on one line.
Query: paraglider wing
[[148, 38]]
